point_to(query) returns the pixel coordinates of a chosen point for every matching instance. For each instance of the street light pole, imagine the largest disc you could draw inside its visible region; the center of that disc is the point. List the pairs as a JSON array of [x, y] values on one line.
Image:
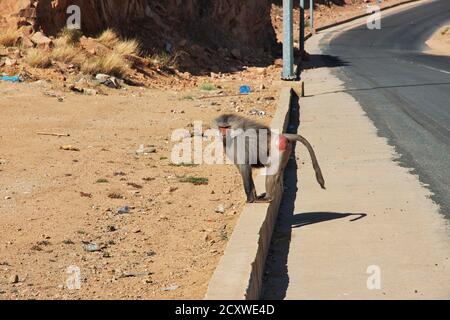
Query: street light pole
[[302, 27], [288, 40]]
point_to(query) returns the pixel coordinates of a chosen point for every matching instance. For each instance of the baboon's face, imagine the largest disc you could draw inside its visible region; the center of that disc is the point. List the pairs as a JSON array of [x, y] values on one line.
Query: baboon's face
[[223, 125]]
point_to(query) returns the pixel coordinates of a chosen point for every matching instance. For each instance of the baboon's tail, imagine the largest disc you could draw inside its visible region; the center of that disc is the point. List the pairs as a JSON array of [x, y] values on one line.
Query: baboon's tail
[[315, 163]]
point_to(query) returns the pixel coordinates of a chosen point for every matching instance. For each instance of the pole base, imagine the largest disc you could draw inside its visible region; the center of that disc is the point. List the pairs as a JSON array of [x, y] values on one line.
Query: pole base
[[289, 78]]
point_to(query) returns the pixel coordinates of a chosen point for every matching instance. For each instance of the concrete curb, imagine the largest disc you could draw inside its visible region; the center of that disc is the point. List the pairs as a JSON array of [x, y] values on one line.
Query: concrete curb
[[239, 273]]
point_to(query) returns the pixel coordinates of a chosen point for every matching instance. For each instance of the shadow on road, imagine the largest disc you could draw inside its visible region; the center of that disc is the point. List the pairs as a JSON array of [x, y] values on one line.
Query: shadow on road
[[323, 61], [276, 273], [382, 87]]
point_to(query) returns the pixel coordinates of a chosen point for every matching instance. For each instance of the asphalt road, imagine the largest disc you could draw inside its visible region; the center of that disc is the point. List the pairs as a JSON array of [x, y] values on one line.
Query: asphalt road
[[405, 92]]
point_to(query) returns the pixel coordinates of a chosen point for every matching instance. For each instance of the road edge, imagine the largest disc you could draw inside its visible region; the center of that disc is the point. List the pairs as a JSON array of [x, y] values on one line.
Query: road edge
[[335, 24], [238, 276]]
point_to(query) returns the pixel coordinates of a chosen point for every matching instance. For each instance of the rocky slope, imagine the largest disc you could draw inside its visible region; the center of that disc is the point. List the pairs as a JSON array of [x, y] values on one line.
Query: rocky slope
[[224, 23]]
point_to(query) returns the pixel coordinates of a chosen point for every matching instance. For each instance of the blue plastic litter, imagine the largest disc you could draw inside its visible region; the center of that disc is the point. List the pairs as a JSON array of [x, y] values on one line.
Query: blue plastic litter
[[244, 90], [10, 78]]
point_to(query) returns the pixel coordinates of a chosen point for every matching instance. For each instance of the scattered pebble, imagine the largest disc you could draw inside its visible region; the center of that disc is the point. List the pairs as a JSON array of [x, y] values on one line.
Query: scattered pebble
[[150, 253], [14, 279], [172, 189], [171, 287], [220, 208], [123, 210], [85, 194], [92, 247], [142, 150], [69, 148]]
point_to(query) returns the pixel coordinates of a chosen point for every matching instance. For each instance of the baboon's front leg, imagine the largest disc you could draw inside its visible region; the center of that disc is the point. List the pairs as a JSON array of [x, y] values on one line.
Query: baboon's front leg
[[247, 178]]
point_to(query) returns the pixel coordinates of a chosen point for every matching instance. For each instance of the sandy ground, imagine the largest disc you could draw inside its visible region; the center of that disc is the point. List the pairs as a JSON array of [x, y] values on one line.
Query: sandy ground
[[54, 202], [439, 43]]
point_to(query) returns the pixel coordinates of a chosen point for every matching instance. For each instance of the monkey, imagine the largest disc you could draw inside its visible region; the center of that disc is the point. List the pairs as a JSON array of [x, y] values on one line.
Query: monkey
[[255, 152]]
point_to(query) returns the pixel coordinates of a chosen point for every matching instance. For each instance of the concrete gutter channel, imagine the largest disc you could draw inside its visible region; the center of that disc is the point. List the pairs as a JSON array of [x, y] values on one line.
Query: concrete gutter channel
[[240, 271], [239, 274]]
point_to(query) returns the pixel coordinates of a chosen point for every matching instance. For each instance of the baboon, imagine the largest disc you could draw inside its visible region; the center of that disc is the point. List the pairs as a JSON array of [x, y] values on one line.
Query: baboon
[[256, 151]]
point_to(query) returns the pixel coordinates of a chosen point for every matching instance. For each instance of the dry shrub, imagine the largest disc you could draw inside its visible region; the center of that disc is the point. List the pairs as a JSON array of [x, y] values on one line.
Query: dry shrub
[[68, 54], [165, 60], [111, 63], [108, 38], [9, 37], [38, 58], [69, 36], [127, 47]]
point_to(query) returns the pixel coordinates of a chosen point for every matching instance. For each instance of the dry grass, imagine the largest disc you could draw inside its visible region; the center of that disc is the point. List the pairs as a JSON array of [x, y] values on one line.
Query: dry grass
[[69, 36], [8, 37], [112, 64], [108, 38], [68, 54], [127, 47], [165, 60], [38, 58]]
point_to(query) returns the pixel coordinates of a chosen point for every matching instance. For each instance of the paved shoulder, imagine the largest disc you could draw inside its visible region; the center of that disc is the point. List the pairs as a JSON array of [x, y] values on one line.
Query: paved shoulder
[[374, 233]]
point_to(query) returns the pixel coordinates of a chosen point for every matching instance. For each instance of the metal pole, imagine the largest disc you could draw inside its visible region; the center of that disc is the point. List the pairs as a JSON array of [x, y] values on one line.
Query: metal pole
[[311, 15], [288, 40], [302, 27]]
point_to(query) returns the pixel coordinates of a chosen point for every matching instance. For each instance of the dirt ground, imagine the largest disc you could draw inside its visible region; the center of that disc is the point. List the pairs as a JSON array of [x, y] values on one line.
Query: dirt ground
[[56, 204], [59, 208], [439, 43]]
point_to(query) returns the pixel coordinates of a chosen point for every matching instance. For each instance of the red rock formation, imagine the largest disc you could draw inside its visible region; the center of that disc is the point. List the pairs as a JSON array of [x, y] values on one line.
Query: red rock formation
[[218, 23]]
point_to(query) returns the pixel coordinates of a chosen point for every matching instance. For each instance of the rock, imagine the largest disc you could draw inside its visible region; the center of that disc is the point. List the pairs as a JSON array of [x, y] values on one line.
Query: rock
[[171, 287], [90, 92], [41, 41], [261, 71], [257, 112], [247, 22], [10, 62], [76, 89], [69, 148], [150, 253], [142, 150], [112, 228], [220, 209], [109, 81], [7, 198], [92, 247], [14, 279], [123, 210], [172, 189], [26, 42]]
